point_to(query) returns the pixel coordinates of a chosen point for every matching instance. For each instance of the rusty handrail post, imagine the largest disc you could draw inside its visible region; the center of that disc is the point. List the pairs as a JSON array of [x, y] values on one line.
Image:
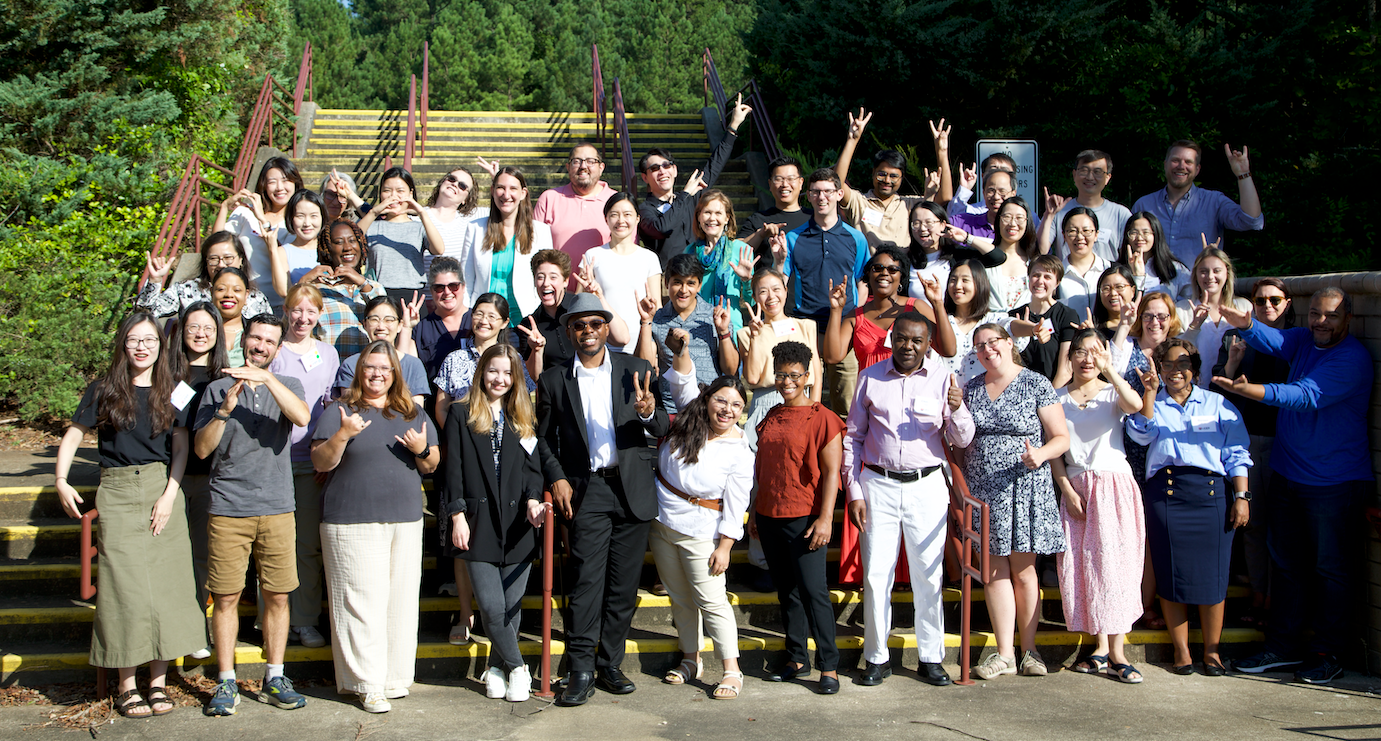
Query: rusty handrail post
[[412, 122], [426, 97], [966, 539], [88, 588], [548, 556], [630, 182], [597, 97]]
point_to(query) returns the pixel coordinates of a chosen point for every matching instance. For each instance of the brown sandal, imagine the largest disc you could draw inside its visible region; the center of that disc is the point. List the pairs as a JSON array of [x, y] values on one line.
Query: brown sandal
[[157, 696], [127, 702]]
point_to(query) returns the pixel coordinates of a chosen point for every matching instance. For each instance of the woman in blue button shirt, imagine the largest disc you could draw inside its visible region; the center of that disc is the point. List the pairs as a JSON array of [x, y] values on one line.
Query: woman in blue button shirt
[[1195, 440]]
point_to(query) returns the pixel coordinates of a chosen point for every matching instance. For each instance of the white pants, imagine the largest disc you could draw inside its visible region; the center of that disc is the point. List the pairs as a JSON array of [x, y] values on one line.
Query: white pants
[[913, 513], [373, 573], [683, 563]]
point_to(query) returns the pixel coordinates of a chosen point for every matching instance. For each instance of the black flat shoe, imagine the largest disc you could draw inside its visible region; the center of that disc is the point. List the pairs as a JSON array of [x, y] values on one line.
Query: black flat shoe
[[579, 687], [1214, 670], [829, 685], [873, 674], [1183, 671], [786, 673], [613, 681], [933, 674]]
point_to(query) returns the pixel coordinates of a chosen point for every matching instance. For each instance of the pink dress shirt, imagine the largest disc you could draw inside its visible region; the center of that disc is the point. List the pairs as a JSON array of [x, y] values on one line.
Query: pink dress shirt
[[577, 222]]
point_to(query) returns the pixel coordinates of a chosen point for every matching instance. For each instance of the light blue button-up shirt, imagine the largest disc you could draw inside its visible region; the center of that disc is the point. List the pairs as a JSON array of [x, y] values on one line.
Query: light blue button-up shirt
[[1207, 432], [1200, 211]]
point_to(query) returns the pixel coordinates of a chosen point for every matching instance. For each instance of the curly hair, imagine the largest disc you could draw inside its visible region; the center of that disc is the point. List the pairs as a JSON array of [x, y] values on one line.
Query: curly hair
[[1164, 348]]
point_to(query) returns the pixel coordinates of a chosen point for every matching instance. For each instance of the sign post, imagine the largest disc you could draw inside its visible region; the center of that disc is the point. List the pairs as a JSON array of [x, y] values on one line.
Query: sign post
[[1026, 153]]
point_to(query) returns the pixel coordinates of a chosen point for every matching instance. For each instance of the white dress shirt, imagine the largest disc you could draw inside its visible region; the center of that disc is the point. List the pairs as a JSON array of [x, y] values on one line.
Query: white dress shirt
[[597, 399], [723, 470]]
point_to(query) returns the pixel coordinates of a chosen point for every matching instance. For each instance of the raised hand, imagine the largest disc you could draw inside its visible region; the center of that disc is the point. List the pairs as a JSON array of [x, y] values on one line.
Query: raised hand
[[968, 176], [1138, 261], [932, 184], [1127, 312], [1102, 360], [1088, 322], [857, 125], [158, 268], [353, 424], [535, 339], [1236, 350], [955, 395], [643, 401], [747, 263], [940, 134], [1053, 203], [723, 320], [414, 440], [1204, 238], [1238, 318], [586, 280], [695, 183], [755, 323], [1149, 380], [1237, 159], [412, 311], [739, 113], [839, 294], [1032, 458], [491, 167], [647, 308], [1200, 314], [933, 293], [778, 246]]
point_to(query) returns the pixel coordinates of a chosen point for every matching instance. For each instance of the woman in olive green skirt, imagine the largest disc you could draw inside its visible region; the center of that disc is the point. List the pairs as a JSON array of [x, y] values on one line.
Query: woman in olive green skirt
[[146, 604]]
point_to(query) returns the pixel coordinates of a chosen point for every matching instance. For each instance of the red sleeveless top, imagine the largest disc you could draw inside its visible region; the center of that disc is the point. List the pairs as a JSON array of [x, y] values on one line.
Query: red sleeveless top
[[870, 340]]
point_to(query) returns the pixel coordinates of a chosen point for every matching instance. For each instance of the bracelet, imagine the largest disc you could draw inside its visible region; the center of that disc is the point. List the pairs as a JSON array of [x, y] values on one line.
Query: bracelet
[[723, 337], [222, 416], [62, 478], [1244, 175]]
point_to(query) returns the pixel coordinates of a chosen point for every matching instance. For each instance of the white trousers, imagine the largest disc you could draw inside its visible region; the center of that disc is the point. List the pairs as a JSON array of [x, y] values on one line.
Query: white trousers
[[914, 514], [373, 573], [683, 563]]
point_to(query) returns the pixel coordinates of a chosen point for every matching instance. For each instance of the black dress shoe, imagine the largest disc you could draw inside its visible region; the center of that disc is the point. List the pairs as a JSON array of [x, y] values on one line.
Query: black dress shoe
[[786, 673], [613, 681], [873, 674], [829, 685], [1184, 670], [1214, 670], [579, 687], [933, 674]]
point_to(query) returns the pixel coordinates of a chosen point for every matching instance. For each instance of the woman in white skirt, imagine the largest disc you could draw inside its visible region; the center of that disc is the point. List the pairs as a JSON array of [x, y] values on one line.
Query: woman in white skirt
[[376, 444], [1105, 528]]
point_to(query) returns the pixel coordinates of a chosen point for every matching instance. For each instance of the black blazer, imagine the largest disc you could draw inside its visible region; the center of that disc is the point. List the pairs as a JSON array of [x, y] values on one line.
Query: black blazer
[[561, 432], [496, 510]]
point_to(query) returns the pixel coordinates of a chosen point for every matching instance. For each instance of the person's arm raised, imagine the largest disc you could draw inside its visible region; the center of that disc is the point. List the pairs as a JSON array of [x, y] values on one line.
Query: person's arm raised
[[846, 155]]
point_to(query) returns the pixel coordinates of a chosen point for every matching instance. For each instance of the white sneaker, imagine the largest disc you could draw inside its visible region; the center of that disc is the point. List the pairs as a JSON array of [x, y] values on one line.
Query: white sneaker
[[397, 694], [201, 653], [495, 683], [308, 636], [448, 588], [519, 684], [374, 702]]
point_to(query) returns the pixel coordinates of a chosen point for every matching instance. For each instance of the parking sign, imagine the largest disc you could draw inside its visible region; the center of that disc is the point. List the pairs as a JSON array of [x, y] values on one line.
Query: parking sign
[[1027, 156]]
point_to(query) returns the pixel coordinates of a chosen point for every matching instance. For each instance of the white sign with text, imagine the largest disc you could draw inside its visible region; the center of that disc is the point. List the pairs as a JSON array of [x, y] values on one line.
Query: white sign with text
[[1027, 156]]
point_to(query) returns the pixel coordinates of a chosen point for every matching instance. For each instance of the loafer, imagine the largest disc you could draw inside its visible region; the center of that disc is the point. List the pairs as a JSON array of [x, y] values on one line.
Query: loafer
[[613, 681], [1184, 670], [1214, 670], [786, 673], [579, 687], [829, 685], [933, 674], [873, 674]]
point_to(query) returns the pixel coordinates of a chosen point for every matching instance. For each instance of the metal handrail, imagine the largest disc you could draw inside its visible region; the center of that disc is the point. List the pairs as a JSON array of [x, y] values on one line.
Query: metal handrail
[[412, 123], [303, 90], [597, 97], [630, 182], [88, 587], [548, 558], [426, 96], [185, 209], [752, 95], [964, 540]]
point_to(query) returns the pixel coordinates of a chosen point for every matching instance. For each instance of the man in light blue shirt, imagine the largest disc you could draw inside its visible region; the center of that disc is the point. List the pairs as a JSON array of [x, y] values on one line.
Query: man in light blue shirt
[[1321, 475], [1187, 211]]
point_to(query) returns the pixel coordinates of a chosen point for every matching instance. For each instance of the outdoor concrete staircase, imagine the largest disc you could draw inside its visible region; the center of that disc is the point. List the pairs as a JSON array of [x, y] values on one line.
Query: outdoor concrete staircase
[[539, 143], [45, 628]]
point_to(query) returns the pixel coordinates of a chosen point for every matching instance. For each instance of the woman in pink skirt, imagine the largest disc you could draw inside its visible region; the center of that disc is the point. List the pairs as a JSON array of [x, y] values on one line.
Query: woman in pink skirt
[[1105, 528]]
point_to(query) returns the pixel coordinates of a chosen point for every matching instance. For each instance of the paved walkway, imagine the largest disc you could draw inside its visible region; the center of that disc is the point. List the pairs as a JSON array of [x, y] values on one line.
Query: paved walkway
[[29, 468], [1062, 706]]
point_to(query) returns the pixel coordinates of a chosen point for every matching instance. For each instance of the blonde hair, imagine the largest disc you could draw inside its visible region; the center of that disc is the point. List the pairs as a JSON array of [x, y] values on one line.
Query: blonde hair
[[1173, 328], [301, 291], [517, 405], [1225, 296], [399, 398]]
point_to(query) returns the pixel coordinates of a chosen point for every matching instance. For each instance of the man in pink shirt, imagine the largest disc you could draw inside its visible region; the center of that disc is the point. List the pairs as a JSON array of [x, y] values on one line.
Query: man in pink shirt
[[893, 452], [576, 211]]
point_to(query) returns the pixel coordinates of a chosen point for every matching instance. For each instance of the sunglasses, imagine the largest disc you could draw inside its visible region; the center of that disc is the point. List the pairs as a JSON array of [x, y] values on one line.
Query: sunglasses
[[1272, 300], [453, 287], [889, 269], [659, 166], [453, 180], [580, 326]]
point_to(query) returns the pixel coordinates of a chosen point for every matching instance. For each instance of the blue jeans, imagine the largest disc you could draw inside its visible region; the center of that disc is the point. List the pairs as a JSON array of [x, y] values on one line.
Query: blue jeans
[[1315, 539]]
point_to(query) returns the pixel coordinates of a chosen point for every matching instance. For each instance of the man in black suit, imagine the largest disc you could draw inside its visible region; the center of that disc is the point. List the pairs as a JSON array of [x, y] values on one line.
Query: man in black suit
[[594, 415]]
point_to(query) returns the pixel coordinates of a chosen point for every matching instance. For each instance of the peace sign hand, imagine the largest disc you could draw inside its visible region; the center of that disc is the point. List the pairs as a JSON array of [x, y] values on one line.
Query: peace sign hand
[[535, 339], [491, 167], [1237, 159], [940, 134], [857, 125], [412, 311], [723, 320], [1088, 323], [643, 401], [1204, 238], [586, 280], [839, 294], [1149, 380], [1127, 317], [695, 183], [755, 323]]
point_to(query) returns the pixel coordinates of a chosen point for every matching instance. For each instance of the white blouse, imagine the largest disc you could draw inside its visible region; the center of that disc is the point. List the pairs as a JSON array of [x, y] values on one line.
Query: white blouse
[[1095, 434], [723, 471]]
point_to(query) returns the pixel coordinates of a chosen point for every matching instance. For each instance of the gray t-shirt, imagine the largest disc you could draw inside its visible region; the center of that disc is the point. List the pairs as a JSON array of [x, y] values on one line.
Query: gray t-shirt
[[395, 253], [1112, 219], [377, 478], [704, 344], [414, 374], [251, 469]]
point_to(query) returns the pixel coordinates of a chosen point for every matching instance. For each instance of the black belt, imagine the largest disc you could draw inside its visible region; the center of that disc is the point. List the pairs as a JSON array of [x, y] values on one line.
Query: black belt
[[905, 477], [608, 472]]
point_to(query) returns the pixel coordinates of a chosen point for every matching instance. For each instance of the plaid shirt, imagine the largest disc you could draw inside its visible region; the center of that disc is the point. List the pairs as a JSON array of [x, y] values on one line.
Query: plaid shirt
[[343, 305]]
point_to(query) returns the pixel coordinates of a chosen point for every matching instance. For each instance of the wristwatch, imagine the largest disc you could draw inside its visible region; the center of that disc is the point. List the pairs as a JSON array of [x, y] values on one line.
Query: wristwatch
[[1245, 496], [426, 453]]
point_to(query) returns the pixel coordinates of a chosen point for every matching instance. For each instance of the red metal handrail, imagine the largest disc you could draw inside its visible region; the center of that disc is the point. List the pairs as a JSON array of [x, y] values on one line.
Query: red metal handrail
[[426, 96], [548, 556], [304, 84], [412, 125], [185, 209], [630, 182], [964, 540], [88, 587], [752, 95], [597, 97]]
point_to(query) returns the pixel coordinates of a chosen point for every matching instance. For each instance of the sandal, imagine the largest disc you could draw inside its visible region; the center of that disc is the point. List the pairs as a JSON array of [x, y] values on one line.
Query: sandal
[[726, 691], [1091, 665], [128, 702], [1125, 673], [157, 696], [682, 673]]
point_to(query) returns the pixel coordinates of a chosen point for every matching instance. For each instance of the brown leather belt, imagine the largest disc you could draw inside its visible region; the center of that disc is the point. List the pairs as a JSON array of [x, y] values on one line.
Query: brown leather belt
[[713, 504]]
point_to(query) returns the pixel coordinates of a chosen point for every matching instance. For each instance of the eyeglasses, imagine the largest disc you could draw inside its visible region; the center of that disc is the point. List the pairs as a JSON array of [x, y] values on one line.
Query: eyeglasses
[[1143, 233], [819, 193], [1085, 171], [655, 167], [1086, 232], [587, 161], [453, 287], [930, 224], [453, 180], [982, 346], [889, 269], [196, 329], [381, 319], [216, 260], [784, 179], [134, 342], [1012, 219], [731, 404], [994, 192], [1158, 318], [1272, 300], [793, 377], [378, 370], [888, 176], [594, 324], [1169, 366], [1113, 288]]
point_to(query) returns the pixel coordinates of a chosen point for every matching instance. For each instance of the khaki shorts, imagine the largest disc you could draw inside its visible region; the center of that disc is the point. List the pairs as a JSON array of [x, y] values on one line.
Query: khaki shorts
[[272, 539]]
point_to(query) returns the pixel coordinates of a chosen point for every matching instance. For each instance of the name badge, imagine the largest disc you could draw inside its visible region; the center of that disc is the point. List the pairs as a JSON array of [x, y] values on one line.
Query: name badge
[[311, 359], [872, 217], [529, 444], [784, 328], [1203, 423], [926, 407], [887, 340], [182, 395], [1047, 325]]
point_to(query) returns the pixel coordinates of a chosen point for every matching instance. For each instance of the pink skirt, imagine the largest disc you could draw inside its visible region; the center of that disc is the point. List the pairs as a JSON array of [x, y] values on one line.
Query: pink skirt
[[1100, 572]]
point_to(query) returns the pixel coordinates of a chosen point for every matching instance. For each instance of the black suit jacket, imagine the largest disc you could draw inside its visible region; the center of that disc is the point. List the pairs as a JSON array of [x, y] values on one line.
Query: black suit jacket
[[562, 437], [495, 509]]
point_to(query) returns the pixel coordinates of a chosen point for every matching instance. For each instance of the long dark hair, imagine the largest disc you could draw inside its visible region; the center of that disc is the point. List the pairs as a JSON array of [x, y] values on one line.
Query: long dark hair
[[982, 291], [1026, 244], [217, 360], [1100, 312], [1162, 259], [691, 430], [522, 223], [115, 400], [213, 239]]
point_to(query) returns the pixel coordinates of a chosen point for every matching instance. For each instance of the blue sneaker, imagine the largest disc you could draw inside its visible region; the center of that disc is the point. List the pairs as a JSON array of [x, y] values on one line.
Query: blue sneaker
[[225, 699], [1264, 662], [279, 692], [1323, 669]]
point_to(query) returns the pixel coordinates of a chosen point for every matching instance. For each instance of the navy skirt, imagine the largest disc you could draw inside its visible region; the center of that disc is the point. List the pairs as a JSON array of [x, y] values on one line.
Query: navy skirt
[[1188, 534]]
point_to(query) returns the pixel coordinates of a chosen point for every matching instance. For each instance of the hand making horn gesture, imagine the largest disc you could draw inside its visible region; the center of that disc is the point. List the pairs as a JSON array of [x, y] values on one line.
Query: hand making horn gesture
[[940, 133], [643, 400], [857, 125], [158, 268], [968, 176], [934, 294], [723, 320]]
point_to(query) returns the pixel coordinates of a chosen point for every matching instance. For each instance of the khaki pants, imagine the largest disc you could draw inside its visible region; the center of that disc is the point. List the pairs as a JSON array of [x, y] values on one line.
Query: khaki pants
[[683, 563], [840, 381]]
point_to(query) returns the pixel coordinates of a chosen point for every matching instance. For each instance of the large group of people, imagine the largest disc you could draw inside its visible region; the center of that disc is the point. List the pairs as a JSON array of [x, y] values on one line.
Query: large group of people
[[1090, 370]]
